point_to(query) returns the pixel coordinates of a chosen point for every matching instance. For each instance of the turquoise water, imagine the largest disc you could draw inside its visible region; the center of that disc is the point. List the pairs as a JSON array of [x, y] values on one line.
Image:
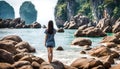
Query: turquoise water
[[35, 37]]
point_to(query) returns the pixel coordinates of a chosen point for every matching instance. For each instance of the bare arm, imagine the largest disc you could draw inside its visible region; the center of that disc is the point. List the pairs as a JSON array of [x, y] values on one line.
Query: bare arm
[[46, 39]]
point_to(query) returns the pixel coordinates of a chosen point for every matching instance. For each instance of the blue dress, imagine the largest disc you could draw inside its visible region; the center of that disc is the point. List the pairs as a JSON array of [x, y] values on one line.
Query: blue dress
[[50, 41]]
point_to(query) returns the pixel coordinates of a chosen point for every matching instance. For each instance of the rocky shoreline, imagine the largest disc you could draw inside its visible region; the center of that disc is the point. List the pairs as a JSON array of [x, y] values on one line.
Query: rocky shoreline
[[105, 24], [104, 56], [17, 23], [17, 54]]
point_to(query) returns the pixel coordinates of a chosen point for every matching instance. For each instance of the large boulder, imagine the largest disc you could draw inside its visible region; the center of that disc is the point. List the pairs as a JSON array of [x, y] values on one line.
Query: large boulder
[[31, 59], [82, 27], [103, 51], [37, 59], [57, 65], [20, 64], [22, 50], [99, 67], [46, 65], [100, 51], [115, 66], [9, 46], [28, 12], [26, 67], [89, 31], [6, 10], [25, 45], [9, 42], [104, 24], [81, 41], [110, 39], [19, 56], [95, 32], [6, 66], [109, 44], [116, 27], [79, 32], [85, 63], [12, 37], [109, 59], [6, 56], [26, 58], [107, 65], [69, 67], [35, 65]]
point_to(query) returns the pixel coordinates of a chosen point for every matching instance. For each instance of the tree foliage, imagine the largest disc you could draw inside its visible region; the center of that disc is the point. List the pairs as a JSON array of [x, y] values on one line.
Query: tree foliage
[[85, 7]]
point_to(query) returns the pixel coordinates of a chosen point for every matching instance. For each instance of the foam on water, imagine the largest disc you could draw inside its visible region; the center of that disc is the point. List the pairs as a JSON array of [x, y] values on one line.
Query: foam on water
[[66, 56]]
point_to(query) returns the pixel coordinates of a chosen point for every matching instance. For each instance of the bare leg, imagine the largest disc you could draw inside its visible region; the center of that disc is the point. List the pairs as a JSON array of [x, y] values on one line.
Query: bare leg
[[50, 54]]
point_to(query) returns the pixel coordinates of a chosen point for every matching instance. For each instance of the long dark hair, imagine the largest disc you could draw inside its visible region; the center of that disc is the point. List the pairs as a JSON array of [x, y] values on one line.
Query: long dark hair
[[50, 27]]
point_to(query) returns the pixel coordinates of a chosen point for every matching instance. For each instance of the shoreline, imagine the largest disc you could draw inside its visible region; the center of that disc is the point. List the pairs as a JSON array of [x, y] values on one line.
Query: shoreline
[[62, 60]]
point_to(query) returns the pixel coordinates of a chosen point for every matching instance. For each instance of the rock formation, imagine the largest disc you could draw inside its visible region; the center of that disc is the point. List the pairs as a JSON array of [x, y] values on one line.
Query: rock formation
[[93, 9], [28, 12], [89, 32], [17, 23], [77, 21], [64, 11], [6, 10]]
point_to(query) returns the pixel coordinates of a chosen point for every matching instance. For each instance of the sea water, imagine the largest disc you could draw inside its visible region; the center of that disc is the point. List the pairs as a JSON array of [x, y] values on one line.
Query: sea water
[[35, 37]]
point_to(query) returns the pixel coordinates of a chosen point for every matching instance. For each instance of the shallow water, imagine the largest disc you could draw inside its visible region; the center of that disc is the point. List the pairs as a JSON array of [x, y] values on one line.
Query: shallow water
[[35, 37]]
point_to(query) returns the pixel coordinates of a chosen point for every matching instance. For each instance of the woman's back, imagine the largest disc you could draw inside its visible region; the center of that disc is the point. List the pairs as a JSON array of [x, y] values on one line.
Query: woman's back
[[50, 38]]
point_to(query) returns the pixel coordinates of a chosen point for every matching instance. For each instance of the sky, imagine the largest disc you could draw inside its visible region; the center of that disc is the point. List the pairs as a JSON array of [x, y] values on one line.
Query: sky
[[45, 9]]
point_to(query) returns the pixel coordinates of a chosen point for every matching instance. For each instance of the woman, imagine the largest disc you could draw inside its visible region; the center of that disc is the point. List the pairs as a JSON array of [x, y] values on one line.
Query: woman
[[49, 40]]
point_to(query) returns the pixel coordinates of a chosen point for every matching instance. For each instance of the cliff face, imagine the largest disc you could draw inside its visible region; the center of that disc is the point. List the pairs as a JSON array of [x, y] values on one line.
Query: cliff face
[[71, 8], [28, 12], [94, 9], [105, 9], [64, 11], [6, 11], [67, 9], [97, 9]]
